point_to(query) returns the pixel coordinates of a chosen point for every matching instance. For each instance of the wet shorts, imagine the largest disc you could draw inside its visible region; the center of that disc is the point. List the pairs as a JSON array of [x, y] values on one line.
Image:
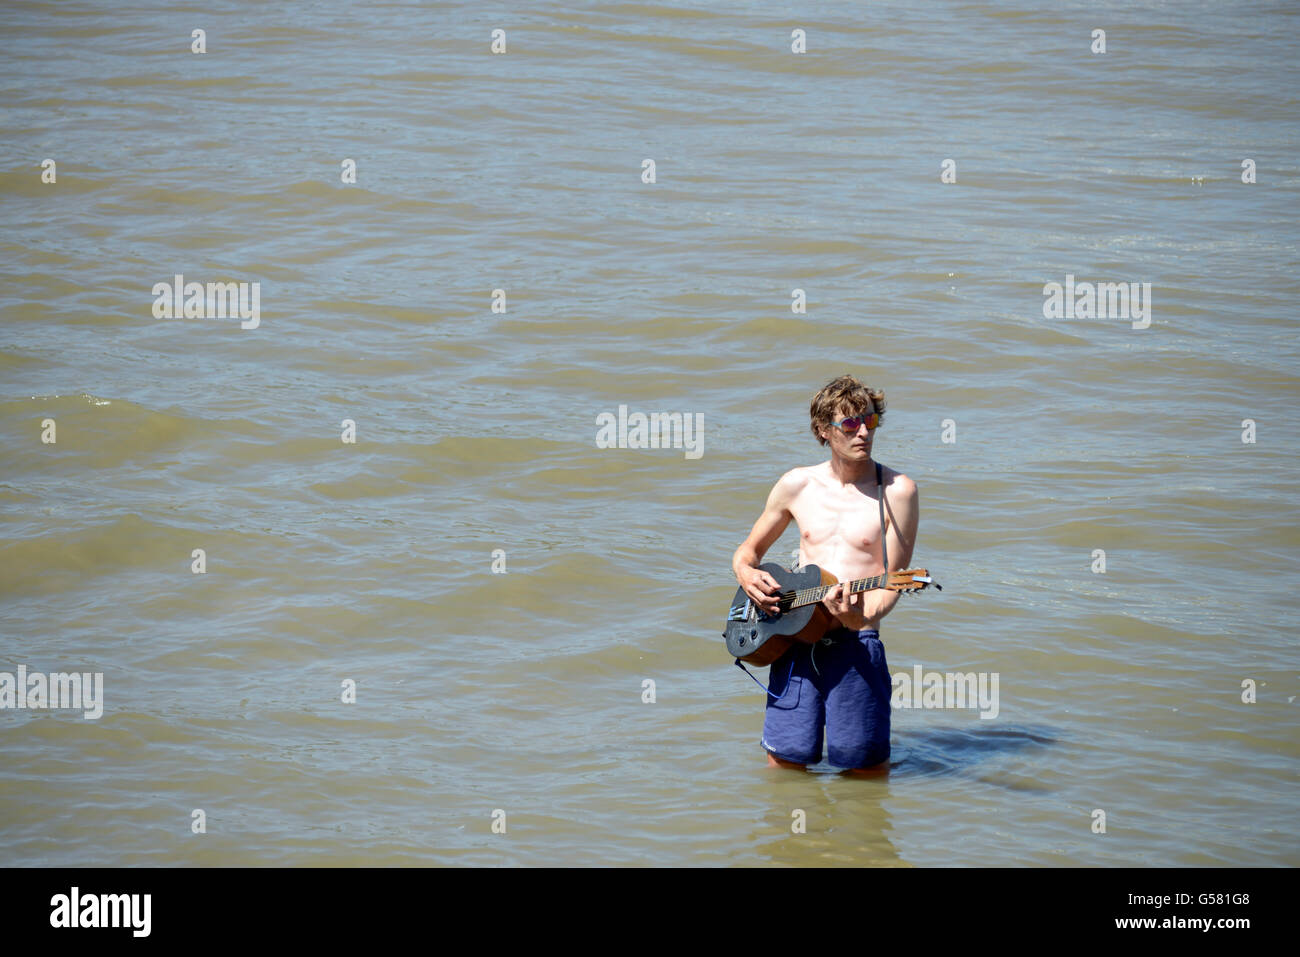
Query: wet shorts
[[845, 686]]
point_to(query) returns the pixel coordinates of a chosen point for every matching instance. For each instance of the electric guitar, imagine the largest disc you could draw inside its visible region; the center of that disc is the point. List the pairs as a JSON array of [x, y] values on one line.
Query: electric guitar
[[759, 638]]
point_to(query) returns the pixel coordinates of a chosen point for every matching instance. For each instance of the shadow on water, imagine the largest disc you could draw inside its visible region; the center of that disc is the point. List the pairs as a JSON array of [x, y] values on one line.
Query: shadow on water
[[937, 751]]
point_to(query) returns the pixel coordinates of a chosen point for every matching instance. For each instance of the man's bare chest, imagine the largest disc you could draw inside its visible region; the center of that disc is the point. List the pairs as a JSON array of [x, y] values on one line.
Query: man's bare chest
[[848, 518]]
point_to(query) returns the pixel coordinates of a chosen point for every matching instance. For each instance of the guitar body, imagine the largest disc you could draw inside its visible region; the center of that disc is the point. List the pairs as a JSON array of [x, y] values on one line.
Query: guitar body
[[758, 639]]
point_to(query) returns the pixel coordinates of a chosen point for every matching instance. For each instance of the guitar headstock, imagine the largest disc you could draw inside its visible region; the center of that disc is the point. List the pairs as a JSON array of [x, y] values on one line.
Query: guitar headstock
[[911, 580]]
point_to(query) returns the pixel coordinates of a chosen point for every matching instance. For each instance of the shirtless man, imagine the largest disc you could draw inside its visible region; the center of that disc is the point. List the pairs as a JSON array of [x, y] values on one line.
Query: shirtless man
[[842, 682]]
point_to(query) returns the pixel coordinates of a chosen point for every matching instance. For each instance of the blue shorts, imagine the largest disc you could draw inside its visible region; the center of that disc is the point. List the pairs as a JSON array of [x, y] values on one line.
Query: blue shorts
[[844, 686]]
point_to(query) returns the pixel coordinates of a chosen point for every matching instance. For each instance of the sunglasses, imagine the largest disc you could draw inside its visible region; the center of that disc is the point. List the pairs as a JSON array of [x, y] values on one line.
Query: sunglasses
[[852, 423]]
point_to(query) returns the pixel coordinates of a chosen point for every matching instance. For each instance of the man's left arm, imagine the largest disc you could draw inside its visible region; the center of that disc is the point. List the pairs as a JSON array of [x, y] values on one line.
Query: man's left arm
[[904, 516]]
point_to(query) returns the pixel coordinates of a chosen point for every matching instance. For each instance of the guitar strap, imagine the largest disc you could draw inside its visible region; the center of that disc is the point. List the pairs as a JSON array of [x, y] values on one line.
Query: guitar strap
[[741, 665], [884, 554], [884, 542]]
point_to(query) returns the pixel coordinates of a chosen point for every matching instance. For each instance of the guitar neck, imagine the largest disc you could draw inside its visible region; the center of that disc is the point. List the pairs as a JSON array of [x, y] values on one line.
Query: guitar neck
[[807, 596]]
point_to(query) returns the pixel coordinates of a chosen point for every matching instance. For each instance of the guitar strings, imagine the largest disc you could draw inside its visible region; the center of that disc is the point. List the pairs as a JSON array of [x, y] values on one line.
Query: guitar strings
[[807, 596]]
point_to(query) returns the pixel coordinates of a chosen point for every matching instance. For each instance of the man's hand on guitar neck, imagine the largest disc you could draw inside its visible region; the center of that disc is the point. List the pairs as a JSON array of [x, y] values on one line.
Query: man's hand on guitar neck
[[861, 610]]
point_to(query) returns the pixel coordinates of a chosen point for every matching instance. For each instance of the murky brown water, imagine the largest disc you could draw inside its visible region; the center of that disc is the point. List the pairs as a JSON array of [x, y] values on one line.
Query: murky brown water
[[476, 430]]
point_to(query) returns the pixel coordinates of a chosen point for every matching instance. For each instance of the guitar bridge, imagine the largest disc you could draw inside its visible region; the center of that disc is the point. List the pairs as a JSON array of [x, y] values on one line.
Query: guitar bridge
[[747, 612]]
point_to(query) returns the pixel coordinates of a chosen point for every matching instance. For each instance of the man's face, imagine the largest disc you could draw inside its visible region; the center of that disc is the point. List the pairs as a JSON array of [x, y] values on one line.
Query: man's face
[[854, 445]]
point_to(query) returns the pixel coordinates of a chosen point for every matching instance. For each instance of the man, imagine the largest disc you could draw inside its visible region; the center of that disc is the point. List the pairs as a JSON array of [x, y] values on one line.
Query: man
[[843, 681]]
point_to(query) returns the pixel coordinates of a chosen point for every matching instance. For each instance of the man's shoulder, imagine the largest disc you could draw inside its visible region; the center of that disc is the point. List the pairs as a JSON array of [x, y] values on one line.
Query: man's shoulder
[[797, 479], [897, 485]]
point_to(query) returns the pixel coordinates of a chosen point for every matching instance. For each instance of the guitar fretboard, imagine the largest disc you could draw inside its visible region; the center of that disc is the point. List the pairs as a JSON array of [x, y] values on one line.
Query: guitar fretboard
[[806, 596]]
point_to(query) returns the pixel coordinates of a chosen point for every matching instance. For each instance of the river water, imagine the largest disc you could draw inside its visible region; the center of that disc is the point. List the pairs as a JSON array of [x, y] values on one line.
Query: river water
[[497, 586]]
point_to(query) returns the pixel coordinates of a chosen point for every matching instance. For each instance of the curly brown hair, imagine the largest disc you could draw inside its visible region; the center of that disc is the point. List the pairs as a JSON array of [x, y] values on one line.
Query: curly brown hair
[[847, 393]]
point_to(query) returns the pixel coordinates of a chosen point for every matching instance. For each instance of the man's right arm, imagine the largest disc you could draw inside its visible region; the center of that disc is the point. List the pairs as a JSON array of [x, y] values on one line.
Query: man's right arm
[[758, 584]]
